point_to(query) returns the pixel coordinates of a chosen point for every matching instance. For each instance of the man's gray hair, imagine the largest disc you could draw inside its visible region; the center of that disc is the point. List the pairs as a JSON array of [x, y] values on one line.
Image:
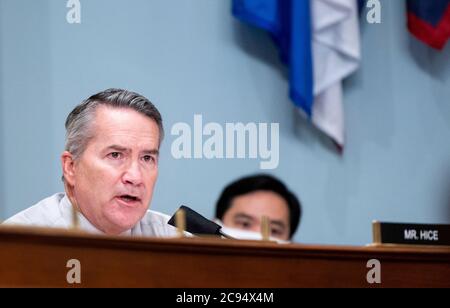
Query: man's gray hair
[[79, 129]]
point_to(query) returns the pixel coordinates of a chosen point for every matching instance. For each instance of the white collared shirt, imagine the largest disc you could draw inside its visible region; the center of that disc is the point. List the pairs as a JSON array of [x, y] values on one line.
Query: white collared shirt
[[56, 212]]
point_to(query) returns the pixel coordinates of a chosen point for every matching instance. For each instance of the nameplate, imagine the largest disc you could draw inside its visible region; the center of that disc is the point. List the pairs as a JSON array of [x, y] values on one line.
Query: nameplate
[[411, 234]]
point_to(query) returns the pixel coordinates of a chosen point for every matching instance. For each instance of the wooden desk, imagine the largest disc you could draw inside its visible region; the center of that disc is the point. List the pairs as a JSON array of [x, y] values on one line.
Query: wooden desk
[[38, 258]]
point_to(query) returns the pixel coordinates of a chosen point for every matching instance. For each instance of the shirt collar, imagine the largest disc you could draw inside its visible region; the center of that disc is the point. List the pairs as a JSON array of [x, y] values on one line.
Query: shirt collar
[[84, 223]]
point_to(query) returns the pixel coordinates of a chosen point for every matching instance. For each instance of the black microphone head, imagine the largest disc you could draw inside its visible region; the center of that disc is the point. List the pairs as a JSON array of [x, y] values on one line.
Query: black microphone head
[[196, 223]]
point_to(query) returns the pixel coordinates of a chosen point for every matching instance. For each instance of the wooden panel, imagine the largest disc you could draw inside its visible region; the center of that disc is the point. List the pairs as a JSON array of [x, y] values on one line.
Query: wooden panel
[[38, 257]]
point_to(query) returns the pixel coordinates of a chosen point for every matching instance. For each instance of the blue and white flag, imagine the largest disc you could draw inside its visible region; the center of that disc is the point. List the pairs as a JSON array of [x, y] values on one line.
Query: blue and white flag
[[319, 41]]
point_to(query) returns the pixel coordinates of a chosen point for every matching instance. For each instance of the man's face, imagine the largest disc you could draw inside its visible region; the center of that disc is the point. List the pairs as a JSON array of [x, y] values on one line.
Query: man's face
[[246, 213], [113, 179]]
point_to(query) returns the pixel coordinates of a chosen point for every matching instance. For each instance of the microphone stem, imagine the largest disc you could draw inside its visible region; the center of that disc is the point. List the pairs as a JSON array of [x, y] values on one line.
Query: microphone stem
[[226, 235]]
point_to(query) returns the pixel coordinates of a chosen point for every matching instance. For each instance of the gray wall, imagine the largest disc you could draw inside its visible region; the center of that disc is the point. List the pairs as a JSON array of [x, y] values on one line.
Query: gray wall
[[191, 57]]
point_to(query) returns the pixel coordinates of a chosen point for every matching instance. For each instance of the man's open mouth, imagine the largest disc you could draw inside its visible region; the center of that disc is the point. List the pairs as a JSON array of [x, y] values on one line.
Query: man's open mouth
[[129, 198]]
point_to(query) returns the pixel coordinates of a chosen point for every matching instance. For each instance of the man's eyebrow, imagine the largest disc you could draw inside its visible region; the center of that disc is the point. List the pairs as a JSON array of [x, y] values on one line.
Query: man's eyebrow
[[151, 152], [120, 148], [245, 216], [116, 147]]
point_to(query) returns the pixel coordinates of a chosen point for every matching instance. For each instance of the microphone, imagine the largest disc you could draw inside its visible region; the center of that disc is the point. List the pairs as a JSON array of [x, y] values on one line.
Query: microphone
[[197, 224]]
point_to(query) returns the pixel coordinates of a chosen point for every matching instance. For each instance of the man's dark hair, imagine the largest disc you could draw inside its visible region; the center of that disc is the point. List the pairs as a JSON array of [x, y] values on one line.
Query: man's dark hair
[[255, 183]]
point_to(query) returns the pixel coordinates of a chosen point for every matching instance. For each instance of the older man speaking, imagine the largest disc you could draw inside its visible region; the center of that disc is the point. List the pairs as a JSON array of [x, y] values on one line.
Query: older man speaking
[[110, 167]]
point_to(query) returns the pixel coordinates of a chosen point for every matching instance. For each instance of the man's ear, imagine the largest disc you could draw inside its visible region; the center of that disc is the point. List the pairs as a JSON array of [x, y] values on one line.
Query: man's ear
[[68, 167]]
